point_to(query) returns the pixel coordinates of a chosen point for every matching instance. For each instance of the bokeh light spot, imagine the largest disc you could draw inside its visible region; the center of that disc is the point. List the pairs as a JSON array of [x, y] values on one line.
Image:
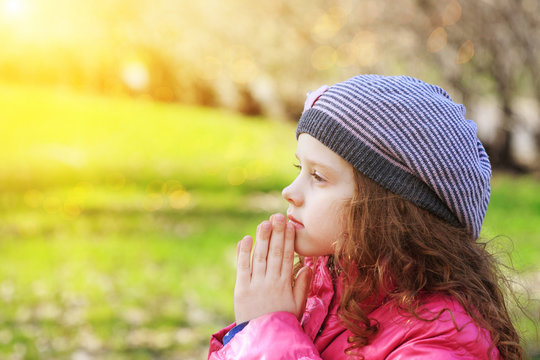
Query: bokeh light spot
[[171, 186], [116, 180], [135, 75], [179, 199], [156, 186], [255, 169], [81, 192], [72, 209], [465, 52], [345, 55], [329, 23], [451, 13], [52, 204], [323, 29], [369, 10], [237, 176], [437, 40], [33, 198], [365, 48], [323, 58], [153, 202]]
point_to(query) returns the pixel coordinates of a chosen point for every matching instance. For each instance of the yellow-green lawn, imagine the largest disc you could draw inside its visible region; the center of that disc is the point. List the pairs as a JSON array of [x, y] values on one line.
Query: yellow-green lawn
[[119, 219]]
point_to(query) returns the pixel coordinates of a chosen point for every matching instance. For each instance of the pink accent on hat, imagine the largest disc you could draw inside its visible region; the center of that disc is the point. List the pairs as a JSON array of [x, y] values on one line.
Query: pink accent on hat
[[313, 96]]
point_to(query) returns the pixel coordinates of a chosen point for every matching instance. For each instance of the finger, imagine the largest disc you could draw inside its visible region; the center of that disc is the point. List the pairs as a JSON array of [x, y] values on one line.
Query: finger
[[288, 253], [243, 271], [261, 249], [301, 290], [275, 252]]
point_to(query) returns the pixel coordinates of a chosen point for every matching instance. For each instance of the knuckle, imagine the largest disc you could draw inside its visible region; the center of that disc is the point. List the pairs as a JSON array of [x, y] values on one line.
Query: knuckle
[[290, 230], [259, 258], [244, 248], [288, 256], [243, 266], [277, 251]]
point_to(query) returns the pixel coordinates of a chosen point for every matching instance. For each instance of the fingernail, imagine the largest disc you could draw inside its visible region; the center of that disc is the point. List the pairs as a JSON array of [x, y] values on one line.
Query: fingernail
[[279, 218], [266, 225]]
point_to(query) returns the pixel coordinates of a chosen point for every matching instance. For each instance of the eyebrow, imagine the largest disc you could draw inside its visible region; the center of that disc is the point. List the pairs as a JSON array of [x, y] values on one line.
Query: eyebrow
[[319, 164]]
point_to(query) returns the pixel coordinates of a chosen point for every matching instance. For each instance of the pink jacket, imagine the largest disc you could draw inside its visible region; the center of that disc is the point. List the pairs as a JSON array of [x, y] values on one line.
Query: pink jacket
[[320, 335]]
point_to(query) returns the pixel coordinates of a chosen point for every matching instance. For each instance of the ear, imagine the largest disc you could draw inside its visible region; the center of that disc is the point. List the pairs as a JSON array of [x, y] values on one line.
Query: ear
[[313, 96]]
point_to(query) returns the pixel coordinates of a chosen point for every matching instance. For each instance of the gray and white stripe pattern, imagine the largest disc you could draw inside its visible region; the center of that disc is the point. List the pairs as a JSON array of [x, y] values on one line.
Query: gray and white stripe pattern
[[409, 137]]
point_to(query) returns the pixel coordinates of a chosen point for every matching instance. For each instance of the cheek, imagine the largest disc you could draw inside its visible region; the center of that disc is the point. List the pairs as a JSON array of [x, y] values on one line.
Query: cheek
[[323, 228], [328, 221], [336, 219]]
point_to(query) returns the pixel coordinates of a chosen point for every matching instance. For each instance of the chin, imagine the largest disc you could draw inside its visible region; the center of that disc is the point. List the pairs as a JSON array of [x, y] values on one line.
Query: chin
[[307, 251], [301, 250]]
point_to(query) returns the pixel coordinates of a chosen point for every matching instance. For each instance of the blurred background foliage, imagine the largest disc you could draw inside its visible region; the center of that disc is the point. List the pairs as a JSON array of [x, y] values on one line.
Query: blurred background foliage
[[260, 57], [141, 139]]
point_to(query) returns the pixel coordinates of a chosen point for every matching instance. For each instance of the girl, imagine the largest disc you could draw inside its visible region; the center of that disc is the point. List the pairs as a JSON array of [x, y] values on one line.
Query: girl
[[385, 212]]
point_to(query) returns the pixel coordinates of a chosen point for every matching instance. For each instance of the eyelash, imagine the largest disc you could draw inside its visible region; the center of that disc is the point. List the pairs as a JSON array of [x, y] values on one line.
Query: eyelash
[[313, 173]]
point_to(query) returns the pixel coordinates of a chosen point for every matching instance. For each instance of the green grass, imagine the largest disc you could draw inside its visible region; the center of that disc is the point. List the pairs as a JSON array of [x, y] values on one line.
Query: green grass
[[58, 138], [514, 213], [119, 221]]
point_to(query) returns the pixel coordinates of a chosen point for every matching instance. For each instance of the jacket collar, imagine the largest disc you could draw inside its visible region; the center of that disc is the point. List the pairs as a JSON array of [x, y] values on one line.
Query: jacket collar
[[325, 295], [321, 296]]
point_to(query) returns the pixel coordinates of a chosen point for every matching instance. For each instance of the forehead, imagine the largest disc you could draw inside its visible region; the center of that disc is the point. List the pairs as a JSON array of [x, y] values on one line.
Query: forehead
[[313, 151]]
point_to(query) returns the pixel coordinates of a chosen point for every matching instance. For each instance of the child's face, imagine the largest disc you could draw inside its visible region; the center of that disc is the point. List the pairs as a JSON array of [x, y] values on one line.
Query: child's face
[[317, 195]]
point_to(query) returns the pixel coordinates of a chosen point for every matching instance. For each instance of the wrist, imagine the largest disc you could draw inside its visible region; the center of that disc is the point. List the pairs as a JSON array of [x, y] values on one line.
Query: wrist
[[241, 320]]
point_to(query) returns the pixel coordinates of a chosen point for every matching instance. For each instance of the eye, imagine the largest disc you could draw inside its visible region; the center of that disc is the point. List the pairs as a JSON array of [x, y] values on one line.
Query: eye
[[313, 174], [317, 177]]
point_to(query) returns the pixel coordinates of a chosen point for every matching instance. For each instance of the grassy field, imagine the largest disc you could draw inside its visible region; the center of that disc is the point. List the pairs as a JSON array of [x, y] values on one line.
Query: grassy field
[[119, 219]]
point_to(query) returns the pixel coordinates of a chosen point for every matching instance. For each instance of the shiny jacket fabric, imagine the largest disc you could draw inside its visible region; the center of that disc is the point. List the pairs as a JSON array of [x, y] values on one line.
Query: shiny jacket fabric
[[320, 335]]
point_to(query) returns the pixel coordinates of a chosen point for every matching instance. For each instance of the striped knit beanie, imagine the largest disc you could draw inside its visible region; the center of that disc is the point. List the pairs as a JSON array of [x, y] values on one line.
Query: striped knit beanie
[[409, 137]]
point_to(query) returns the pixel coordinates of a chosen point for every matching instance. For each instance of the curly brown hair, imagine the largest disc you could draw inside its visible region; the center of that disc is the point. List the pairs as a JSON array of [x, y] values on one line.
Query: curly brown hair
[[389, 237]]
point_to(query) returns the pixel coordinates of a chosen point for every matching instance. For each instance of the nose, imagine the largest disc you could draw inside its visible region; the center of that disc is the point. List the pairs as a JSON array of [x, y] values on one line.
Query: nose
[[292, 195]]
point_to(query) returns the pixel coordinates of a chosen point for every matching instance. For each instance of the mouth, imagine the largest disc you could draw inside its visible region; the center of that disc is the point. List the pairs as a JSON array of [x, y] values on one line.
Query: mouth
[[297, 224]]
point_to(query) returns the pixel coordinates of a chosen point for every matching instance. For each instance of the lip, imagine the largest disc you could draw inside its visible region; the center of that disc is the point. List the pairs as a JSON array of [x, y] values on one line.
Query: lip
[[297, 224]]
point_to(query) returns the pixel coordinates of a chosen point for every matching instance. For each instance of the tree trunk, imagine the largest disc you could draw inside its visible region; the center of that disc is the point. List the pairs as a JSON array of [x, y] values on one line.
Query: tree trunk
[[501, 156]]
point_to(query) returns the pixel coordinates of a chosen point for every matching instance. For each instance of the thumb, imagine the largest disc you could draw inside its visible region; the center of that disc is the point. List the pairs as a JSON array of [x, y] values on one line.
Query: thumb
[[301, 289]]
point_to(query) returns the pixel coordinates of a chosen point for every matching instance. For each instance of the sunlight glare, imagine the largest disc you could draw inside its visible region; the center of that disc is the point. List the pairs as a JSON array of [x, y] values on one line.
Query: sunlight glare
[[14, 8], [135, 75]]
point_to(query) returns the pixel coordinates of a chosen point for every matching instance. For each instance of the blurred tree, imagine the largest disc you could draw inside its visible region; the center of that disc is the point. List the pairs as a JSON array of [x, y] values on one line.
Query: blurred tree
[[262, 57], [484, 47]]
